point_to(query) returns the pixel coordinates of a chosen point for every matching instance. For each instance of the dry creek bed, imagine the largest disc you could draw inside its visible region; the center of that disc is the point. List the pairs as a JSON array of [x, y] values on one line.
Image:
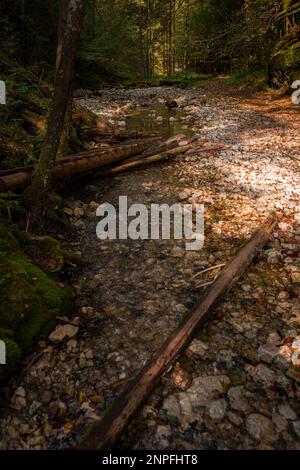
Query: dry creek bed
[[236, 386]]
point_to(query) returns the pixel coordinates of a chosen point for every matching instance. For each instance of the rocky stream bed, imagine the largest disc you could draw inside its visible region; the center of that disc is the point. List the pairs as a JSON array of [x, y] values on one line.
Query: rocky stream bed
[[236, 387]]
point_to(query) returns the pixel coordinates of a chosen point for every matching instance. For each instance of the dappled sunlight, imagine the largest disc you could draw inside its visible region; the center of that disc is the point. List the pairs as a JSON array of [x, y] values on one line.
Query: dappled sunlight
[[150, 227]]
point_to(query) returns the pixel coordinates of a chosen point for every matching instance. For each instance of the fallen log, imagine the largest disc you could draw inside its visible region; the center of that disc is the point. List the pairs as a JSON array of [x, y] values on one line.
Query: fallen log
[[151, 159], [136, 143], [74, 164], [105, 434], [168, 144], [152, 156], [33, 118], [78, 155], [98, 134], [83, 116]]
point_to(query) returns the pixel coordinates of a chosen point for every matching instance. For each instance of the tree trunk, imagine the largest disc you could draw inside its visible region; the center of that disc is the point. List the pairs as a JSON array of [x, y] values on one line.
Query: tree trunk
[[62, 29], [36, 195], [64, 144], [187, 35], [141, 39]]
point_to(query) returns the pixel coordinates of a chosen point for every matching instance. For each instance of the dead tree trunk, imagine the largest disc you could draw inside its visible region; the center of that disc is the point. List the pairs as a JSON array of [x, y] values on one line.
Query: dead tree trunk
[[36, 194], [34, 119], [104, 435], [166, 155]]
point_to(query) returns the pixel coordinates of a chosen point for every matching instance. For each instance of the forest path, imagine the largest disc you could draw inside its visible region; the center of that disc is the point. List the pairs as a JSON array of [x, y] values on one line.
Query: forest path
[[235, 387]]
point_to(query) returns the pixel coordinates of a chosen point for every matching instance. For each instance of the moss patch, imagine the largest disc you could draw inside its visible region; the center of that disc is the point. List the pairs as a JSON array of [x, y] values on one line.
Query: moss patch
[[30, 300]]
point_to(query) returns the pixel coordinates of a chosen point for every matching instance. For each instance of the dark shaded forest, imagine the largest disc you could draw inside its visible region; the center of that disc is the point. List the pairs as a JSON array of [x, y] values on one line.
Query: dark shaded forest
[[141, 39], [253, 43]]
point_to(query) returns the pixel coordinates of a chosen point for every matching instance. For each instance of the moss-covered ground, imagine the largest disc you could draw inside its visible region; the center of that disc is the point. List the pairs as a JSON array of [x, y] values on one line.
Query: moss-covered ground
[[30, 300]]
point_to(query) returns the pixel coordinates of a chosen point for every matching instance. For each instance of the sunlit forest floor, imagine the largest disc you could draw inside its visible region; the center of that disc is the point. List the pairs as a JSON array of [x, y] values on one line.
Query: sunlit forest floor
[[235, 387]]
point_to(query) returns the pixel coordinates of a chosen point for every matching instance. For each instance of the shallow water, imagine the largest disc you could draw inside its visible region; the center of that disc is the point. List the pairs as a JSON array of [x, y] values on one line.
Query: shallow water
[[145, 120]]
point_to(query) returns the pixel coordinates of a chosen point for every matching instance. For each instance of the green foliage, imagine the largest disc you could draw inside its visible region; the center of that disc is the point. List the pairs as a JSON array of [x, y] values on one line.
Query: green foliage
[[189, 79], [30, 299], [134, 40], [28, 30], [110, 40], [251, 80], [22, 90], [19, 144], [289, 7], [8, 202], [289, 56], [181, 79]]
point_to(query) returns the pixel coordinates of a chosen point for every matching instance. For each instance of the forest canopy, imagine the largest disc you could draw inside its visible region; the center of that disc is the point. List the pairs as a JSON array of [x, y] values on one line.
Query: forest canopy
[[132, 39]]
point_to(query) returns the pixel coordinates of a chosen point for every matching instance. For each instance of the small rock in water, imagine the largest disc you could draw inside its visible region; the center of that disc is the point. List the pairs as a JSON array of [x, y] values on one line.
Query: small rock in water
[[171, 104]]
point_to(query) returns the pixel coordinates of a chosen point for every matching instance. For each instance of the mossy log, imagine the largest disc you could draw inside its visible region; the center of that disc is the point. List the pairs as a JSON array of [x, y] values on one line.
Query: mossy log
[[81, 117], [34, 119], [84, 117]]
